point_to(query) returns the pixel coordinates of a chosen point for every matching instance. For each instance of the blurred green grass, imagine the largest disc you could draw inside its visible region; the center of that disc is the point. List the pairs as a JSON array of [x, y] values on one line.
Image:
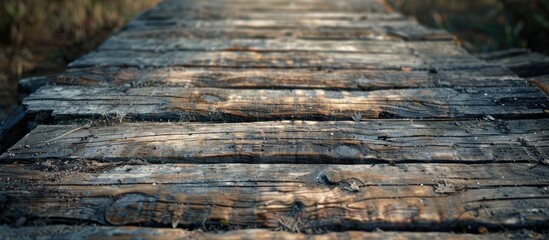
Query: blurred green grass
[[39, 37], [486, 25]]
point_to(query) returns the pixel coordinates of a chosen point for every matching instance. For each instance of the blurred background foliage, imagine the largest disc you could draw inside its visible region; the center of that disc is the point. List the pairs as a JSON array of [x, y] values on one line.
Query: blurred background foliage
[[40, 37], [486, 25]]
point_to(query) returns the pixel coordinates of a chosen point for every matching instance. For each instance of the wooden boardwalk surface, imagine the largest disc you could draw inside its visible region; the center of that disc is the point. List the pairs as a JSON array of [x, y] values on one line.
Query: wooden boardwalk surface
[[306, 119]]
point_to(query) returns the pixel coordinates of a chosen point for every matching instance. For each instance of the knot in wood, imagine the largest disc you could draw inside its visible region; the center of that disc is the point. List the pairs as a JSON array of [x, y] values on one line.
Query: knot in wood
[[209, 98], [347, 152]]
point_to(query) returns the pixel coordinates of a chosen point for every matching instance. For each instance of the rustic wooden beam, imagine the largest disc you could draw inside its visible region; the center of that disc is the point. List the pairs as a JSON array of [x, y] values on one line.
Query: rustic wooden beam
[[290, 197], [393, 141], [284, 45], [409, 32], [288, 78], [156, 14], [279, 6], [275, 24], [246, 59], [214, 104]]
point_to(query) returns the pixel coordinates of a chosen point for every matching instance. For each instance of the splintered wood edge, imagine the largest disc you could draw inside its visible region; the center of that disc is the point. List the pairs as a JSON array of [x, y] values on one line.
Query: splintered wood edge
[[107, 233]]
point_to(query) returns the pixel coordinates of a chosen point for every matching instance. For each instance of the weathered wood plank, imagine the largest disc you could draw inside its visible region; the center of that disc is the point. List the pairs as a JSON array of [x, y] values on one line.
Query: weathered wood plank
[[283, 45], [288, 78], [114, 233], [219, 14], [273, 24], [89, 172], [246, 59], [221, 4], [390, 141], [372, 31], [279, 6], [410, 33], [290, 197], [215, 104]]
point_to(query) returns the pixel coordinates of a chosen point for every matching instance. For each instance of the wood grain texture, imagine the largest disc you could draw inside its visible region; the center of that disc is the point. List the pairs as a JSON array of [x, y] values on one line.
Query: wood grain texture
[[289, 197], [156, 14], [409, 32], [283, 45], [278, 6], [214, 104], [246, 59], [392, 141], [273, 24], [108, 233], [427, 138], [288, 78], [230, 17]]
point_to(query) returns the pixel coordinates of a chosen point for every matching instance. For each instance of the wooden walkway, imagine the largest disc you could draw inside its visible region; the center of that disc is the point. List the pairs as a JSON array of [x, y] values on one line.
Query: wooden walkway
[[313, 118]]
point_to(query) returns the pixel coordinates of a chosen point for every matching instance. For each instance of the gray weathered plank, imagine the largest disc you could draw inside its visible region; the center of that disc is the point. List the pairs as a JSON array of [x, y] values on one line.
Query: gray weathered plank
[[279, 6], [215, 104], [219, 14], [462, 176], [372, 141], [410, 32], [449, 49], [115, 233], [288, 78], [274, 24], [390, 30], [243, 59], [289, 197]]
